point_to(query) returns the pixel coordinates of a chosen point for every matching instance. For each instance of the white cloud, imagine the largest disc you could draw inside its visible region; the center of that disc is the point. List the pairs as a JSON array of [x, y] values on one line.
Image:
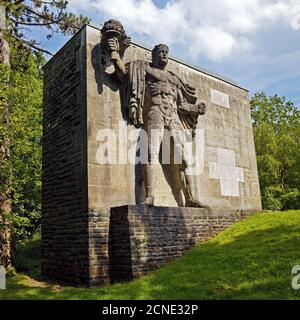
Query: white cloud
[[295, 13], [214, 28], [215, 43]]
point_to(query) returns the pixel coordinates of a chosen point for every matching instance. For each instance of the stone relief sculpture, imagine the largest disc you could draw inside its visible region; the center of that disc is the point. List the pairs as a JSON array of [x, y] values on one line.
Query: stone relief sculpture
[[155, 100]]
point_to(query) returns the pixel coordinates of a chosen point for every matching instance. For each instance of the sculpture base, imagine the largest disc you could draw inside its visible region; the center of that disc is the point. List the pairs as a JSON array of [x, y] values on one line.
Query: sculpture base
[[143, 238], [123, 243]]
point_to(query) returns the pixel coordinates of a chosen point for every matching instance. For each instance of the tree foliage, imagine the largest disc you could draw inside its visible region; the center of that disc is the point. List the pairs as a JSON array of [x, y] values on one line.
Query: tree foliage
[[24, 93], [21, 106], [51, 15], [276, 125], [26, 131]]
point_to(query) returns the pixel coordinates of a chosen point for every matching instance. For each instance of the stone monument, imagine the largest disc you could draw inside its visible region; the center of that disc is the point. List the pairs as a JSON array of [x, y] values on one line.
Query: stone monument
[[143, 156], [157, 101]]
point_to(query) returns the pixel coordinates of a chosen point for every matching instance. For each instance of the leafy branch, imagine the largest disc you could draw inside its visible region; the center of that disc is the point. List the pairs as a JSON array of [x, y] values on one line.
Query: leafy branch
[[52, 15]]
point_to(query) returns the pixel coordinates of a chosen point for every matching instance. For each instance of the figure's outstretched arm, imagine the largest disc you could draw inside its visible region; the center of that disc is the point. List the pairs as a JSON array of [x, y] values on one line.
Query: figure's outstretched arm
[[113, 45], [185, 107]]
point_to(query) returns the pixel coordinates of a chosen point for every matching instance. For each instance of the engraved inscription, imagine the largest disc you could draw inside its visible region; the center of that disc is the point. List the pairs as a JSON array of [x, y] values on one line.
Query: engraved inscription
[[225, 170], [219, 98]]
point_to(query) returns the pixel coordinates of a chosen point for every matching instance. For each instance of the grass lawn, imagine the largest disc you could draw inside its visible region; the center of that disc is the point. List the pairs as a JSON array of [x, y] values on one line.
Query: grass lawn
[[251, 260]]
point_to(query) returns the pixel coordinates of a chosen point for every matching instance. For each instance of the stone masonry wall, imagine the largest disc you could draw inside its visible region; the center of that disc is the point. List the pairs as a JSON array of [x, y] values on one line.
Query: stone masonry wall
[[129, 241], [99, 224], [64, 193]]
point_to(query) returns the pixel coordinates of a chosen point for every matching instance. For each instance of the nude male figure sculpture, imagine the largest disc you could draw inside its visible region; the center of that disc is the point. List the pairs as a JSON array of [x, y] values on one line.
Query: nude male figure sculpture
[[157, 99]]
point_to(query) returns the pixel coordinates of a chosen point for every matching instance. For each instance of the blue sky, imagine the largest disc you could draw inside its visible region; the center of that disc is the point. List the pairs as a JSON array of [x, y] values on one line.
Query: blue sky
[[253, 42]]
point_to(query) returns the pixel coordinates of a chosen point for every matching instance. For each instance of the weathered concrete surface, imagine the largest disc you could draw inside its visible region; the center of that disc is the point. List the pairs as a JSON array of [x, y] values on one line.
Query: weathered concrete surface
[[81, 97], [229, 177]]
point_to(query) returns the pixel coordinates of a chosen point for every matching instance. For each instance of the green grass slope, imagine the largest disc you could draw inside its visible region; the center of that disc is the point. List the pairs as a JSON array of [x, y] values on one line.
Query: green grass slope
[[252, 259]]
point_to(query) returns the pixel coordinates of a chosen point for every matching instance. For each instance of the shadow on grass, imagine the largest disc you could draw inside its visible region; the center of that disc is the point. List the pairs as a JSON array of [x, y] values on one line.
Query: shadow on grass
[[251, 260]]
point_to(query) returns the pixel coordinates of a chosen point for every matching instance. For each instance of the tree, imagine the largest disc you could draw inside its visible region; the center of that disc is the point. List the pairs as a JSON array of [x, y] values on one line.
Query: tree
[[16, 78], [276, 125], [5, 198], [48, 14], [25, 129]]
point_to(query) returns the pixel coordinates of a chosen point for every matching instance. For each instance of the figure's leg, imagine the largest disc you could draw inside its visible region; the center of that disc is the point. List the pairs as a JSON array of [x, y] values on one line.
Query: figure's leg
[[149, 178], [171, 162], [155, 136], [187, 181]]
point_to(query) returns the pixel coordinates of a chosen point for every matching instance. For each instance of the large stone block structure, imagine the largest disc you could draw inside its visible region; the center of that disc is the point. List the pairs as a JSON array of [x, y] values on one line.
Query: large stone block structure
[[94, 228]]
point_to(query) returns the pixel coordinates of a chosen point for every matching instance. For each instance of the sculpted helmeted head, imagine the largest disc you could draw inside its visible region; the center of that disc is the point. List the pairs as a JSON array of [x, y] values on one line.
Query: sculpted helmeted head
[[160, 55]]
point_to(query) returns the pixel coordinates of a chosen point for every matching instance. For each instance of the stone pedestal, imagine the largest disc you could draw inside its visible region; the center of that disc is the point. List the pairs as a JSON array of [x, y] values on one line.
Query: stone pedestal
[[143, 238], [129, 241]]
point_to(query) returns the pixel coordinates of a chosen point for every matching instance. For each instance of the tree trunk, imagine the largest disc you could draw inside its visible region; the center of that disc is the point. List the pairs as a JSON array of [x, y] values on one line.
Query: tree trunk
[[6, 251]]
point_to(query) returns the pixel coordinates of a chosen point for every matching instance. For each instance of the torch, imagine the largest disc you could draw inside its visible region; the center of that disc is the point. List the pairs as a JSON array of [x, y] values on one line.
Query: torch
[[114, 29]]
